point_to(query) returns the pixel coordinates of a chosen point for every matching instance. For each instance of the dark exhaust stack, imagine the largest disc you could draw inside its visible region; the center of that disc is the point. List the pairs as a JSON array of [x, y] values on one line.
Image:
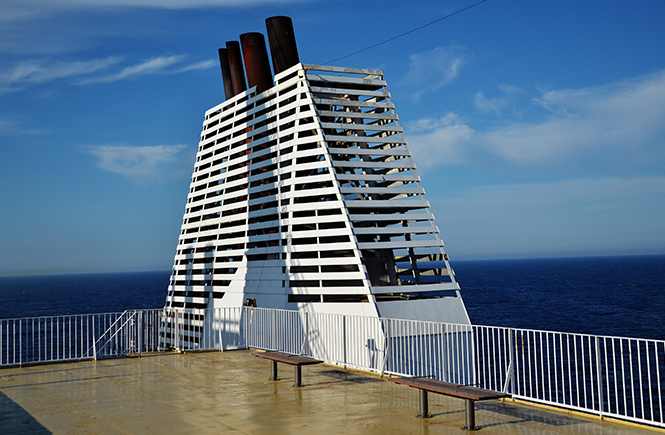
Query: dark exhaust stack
[[282, 40], [226, 72], [256, 61], [235, 65]]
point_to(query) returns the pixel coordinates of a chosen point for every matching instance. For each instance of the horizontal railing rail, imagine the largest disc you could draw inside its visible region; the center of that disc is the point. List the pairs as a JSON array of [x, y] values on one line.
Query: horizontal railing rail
[[608, 376]]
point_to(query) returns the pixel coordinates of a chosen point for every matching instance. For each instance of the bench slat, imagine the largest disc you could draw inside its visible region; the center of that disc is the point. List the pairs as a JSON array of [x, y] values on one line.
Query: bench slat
[[450, 389], [286, 358]]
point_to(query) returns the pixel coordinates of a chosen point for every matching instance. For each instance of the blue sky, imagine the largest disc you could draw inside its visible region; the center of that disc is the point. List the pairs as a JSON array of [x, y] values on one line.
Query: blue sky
[[538, 127]]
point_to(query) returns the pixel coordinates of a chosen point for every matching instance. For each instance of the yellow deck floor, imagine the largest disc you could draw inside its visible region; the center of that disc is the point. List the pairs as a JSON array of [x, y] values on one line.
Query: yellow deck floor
[[229, 393]]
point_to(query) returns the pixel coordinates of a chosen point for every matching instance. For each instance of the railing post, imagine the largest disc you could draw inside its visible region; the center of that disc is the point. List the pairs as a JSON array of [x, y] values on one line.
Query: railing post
[[513, 360], [510, 377], [132, 335], [94, 341], [140, 332], [599, 378], [176, 335], [20, 343], [166, 321], [344, 338], [273, 337], [243, 313], [179, 317], [304, 345], [177, 332], [446, 352], [472, 363], [386, 348], [161, 332], [217, 314]]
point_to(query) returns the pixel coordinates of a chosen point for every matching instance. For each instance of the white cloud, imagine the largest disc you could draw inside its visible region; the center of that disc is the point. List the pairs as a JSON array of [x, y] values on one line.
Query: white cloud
[[621, 117], [619, 125], [497, 104], [206, 64], [16, 12], [510, 89], [21, 9], [580, 216], [434, 69], [31, 72], [143, 163], [155, 65], [441, 141], [487, 105], [11, 128], [84, 72], [167, 4]]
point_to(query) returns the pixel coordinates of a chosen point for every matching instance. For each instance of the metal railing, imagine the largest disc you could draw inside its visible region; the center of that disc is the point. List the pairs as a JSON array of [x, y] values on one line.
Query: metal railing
[[608, 376], [194, 329], [386, 346], [40, 340]]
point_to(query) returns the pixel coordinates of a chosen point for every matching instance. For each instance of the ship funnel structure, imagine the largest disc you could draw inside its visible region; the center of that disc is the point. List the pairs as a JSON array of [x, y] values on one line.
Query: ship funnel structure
[[235, 66], [256, 61], [304, 196], [282, 40], [226, 72]]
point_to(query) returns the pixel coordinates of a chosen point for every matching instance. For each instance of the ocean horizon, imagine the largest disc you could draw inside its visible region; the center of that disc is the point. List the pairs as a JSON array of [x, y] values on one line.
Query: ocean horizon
[[618, 296]]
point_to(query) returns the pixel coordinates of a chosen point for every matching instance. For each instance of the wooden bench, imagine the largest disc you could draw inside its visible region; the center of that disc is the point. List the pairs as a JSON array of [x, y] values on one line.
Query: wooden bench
[[468, 393], [294, 360]]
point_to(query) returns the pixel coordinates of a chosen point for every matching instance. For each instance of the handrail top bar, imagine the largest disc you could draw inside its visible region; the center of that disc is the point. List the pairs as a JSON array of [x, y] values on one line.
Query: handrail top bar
[[81, 314], [578, 334]]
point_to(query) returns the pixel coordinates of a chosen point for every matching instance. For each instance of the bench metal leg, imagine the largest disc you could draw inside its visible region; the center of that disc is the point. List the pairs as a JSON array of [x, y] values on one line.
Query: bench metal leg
[[424, 405], [298, 376], [469, 406], [273, 371]]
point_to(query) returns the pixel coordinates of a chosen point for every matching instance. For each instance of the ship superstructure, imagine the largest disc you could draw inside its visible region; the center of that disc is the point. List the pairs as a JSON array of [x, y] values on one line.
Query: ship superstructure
[[304, 196]]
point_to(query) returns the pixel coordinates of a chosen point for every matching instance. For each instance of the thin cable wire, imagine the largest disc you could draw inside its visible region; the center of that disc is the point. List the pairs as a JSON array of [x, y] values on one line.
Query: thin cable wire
[[406, 33]]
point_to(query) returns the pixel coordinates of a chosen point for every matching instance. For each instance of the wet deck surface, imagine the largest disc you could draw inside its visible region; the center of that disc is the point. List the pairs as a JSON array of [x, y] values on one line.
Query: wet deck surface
[[213, 393]]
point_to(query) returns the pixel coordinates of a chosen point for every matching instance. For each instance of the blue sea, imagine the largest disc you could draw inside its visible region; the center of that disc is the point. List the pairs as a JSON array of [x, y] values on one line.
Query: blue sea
[[621, 296]]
